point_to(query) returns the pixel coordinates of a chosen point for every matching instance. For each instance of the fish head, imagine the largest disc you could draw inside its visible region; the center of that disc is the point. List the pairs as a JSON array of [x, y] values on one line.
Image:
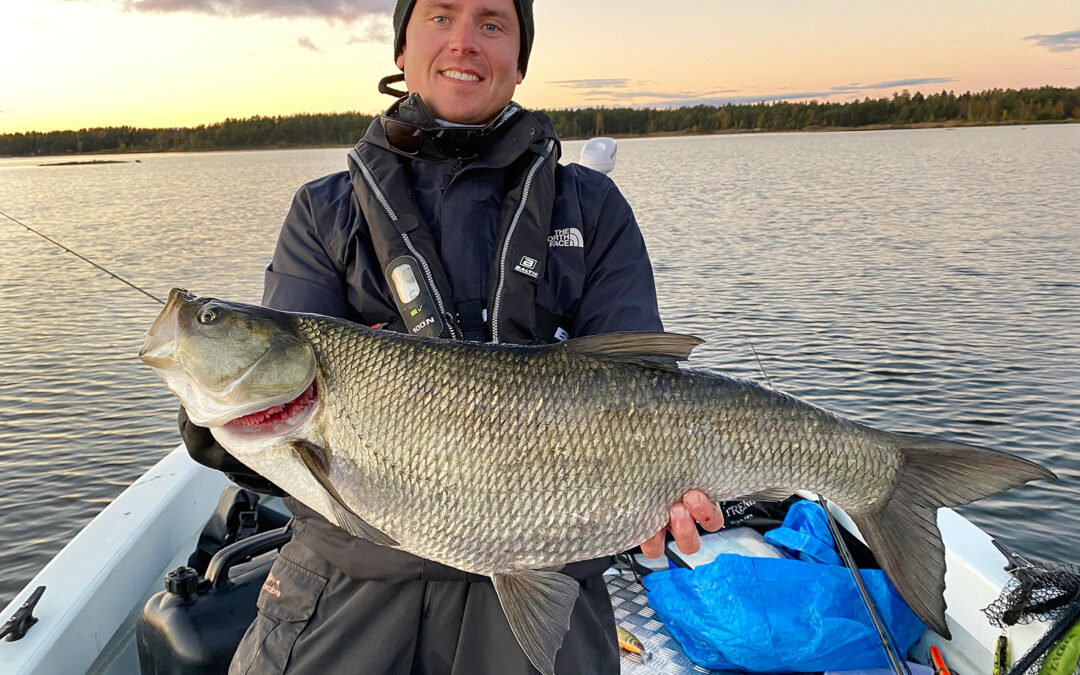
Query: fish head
[[232, 364]]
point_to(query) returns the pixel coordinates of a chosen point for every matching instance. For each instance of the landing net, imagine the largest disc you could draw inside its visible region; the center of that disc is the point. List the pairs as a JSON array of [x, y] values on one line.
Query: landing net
[[1048, 593]]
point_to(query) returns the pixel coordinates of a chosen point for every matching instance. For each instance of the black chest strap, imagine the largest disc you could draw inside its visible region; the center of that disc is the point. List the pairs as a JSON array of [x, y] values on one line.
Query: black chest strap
[[409, 256], [406, 251]]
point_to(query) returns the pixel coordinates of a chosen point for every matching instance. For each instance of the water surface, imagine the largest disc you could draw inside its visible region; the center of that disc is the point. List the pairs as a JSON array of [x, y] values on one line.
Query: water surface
[[924, 280]]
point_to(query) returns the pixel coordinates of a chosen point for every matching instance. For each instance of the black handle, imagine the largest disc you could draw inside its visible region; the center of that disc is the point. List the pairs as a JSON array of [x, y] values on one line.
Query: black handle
[[217, 572]]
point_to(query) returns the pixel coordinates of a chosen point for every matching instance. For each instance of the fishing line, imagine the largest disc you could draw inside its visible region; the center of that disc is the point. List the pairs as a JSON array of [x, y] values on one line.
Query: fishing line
[[82, 257], [760, 366], [888, 642]]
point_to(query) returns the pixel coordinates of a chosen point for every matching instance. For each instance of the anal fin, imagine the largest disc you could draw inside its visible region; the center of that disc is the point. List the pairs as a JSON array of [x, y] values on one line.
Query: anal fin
[[538, 605], [316, 461]]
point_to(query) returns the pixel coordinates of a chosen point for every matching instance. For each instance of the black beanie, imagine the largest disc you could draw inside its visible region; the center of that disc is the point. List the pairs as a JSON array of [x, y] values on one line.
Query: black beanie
[[525, 21]]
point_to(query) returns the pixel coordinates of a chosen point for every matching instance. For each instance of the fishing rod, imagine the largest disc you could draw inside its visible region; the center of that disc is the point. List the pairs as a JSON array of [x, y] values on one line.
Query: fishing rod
[[888, 642], [899, 665], [83, 258]]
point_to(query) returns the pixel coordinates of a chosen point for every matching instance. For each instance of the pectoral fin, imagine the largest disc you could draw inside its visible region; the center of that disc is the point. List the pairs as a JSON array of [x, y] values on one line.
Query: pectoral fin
[[538, 605], [316, 461]]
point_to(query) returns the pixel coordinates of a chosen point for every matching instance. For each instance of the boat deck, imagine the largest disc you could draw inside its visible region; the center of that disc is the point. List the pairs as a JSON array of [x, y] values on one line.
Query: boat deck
[[632, 612]]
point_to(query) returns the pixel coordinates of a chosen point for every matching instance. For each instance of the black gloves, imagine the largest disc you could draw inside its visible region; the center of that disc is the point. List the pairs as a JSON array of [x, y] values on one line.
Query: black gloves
[[204, 449]]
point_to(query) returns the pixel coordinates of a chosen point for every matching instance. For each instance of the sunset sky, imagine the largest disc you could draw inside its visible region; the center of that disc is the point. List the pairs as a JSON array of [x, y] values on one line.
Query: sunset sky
[[163, 63]]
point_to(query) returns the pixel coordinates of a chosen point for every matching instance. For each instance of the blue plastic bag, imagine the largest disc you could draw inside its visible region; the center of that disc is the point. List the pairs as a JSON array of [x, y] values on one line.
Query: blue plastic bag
[[805, 535], [769, 615]]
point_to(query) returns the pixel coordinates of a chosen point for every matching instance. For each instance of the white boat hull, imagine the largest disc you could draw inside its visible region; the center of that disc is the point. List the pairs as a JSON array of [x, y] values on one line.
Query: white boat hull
[[97, 585]]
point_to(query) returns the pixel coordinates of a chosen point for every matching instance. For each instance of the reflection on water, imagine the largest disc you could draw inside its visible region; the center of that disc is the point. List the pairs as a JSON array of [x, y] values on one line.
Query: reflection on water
[[917, 280]]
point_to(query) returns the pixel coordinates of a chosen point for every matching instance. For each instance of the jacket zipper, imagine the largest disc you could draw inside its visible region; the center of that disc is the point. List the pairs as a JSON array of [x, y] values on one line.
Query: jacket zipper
[[509, 235], [452, 175], [370, 180]]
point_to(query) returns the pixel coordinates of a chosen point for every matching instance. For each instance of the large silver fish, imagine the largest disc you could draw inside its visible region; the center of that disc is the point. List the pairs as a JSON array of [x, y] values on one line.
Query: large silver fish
[[512, 461]]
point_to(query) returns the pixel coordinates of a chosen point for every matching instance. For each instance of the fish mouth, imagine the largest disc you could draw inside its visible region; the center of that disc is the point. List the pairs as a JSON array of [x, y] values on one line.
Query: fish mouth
[[278, 418]]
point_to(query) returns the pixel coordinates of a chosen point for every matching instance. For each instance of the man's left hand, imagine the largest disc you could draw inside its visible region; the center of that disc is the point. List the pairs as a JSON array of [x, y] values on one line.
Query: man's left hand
[[695, 506]]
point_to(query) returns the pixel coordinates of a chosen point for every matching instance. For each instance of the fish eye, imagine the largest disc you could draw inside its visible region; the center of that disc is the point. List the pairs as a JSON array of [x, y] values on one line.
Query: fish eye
[[207, 316]]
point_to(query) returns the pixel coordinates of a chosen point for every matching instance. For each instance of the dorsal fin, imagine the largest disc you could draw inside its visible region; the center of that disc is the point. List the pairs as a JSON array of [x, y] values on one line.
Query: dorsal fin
[[651, 350]]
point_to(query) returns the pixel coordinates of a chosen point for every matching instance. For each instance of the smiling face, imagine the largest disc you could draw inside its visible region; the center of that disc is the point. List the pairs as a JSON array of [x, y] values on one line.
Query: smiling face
[[461, 56]]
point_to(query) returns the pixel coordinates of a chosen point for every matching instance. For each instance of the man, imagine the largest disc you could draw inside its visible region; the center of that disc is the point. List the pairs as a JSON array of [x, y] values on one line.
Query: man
[[454, 220]]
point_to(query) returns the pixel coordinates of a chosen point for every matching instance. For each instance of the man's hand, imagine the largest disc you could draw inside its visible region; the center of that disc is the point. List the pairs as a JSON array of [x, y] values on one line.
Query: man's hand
[[204, 449], [695, 505]]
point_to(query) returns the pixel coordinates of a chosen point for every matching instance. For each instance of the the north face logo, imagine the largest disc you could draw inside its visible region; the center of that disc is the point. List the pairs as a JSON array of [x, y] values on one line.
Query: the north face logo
[[570, 236]]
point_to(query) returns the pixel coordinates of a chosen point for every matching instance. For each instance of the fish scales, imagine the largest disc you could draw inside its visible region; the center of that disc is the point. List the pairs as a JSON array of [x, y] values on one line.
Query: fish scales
[[512, 461], [487, 448]]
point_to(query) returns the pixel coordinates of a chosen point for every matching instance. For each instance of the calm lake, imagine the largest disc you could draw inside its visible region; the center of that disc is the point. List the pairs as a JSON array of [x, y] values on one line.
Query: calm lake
[[923, 280]]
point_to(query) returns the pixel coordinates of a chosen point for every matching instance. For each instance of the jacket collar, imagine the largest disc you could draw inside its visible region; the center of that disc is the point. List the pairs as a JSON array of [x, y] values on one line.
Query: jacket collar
[[512, 140]]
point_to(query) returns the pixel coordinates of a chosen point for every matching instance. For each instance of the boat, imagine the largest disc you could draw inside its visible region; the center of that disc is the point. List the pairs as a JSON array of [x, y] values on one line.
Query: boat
[[96, 588], [82, 612]]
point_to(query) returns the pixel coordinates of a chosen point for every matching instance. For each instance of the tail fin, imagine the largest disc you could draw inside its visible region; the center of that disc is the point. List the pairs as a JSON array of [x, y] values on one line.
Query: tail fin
[[903, 533]]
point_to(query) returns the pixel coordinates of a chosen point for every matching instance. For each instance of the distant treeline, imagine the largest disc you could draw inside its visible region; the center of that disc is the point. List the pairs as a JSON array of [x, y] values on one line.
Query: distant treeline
[[996, 106], [232, 134]]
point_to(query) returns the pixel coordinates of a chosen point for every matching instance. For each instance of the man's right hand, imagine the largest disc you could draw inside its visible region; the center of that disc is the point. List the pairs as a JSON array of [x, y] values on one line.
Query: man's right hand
[[204, 449], [694, 506]]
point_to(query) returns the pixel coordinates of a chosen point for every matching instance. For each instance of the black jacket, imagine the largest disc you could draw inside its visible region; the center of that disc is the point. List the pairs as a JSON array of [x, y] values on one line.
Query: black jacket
[[598, 279]]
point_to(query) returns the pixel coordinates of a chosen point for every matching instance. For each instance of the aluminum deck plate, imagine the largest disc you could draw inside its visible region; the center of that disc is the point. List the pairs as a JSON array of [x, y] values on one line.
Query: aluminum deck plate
[[633, 613]]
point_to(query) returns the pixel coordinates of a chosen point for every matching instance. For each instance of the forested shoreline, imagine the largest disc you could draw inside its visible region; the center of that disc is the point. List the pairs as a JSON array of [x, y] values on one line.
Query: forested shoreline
[[902, 110]]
